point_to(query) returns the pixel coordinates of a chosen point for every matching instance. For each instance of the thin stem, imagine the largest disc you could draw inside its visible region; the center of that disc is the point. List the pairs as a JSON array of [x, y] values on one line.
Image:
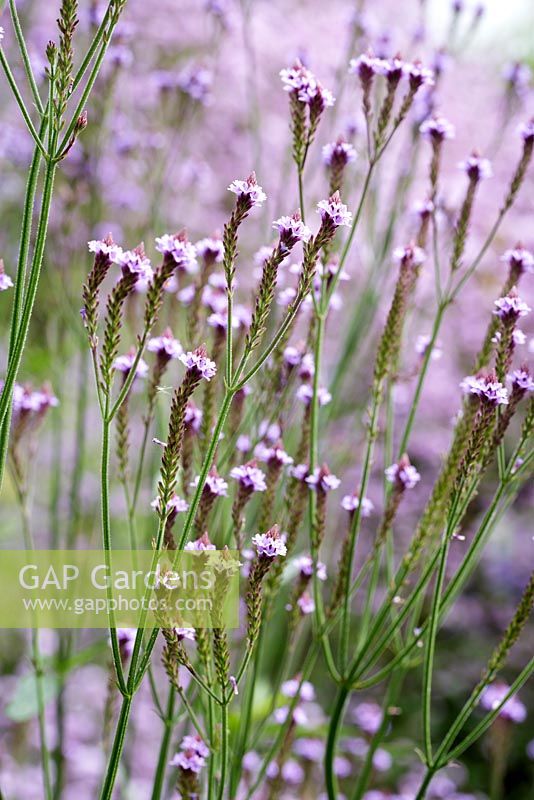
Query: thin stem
[[163, 755], [331, 742], [224, 748], [116, 750], [25, 56], [431, 649]]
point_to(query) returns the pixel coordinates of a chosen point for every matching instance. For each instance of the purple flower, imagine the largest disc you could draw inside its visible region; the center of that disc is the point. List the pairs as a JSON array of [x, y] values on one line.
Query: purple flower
[[366, 67], [190, 635], [275, 455], [176, 504], [134, 262], [522, 379], [351, 502], [322, 478], [306, 604], [519, 259], [199, 361], [105, 247], [126, 362], [403, 474], [126, 639], [292, 687], [339, 153], [526, 131], [249, 191], [334, 211], [476, 168], [194, 743], [437, 128], [299, 472], [270, 544], [305, 394], [250, 477], [180, 249], [196, 82], [188, 760], [487, 388], [305, 566], [511, 307], [200, 544], [25, 400], [301, 82], [165, 345], [210, 249], [5, 280], [309, 749], [368, 716], [421, 346], [292, 230], [492, 697], [411, 255], [214, 484], [193, 417], [418, 75]]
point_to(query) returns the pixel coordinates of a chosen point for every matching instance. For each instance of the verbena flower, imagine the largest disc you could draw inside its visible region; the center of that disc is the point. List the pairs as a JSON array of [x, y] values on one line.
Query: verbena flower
[[476, 168], [178, 247], [165, 345], [511, 307], [323, 479], [248, 191], [334, 211], [196, 81], [306, 569], [105, 247], [338, 153], [275, 455], [526, 131], [519, 259], [210, 249], [292, 230], [487, 388], [200, 544], [269, 545], [134, 262], [368, 716], [437, 128], [194, 742], [214, 484], [176, 503], [523, 379], [418, 75], [126, 639], [492, 697], [409, 255], [305, 394], [250, 477], [198, 360], [366, 67], [5, 280], [351, 502], [125, 363], [421, 346], [403, 474], [290, 688], [306, 604], [301, 82]]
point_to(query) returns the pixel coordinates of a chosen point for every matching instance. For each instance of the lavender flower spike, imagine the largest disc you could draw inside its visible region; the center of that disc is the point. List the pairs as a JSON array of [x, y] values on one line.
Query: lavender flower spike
[[511, 307], [198, 360], [403, 474], [177, 247], [248, 192], [269, 545], [292, 230], [334, 211], [487, 388], [476, 168]]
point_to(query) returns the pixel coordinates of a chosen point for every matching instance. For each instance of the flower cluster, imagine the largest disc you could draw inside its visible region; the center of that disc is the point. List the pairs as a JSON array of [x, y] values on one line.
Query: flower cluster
[[269, 545], [180, 249], [300, 81], [403, 474], [511, 307], [192, 756], [487, 388], [249, 192], [198, 361]]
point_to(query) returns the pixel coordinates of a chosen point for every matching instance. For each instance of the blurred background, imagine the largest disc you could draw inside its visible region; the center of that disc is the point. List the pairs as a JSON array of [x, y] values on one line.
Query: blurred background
[[189, 99]]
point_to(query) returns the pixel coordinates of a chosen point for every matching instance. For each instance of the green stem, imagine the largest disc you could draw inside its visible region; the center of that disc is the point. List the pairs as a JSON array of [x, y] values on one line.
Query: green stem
[[431, 649], [116, 750], [163, 756], [25, 56], [224, 748], [22, 319], [331, 742], [20, 102]]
